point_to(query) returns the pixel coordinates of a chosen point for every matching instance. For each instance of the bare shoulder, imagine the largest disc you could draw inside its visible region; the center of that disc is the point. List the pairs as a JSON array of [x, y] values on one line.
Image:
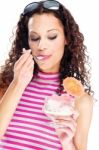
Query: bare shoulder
[[84, 105], [2, 91], [85, 101]]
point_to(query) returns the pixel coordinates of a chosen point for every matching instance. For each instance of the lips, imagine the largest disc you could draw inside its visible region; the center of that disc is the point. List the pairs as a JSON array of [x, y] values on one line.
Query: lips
[[42, 57]]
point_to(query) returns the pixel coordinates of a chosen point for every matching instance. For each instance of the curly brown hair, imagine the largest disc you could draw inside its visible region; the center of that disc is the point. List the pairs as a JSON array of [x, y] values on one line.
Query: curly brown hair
[[75, 61]]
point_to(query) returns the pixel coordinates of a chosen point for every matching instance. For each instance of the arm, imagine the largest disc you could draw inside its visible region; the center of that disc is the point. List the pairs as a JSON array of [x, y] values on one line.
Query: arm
[[8, 105], [85, 106], [74, 133], [23, 72]]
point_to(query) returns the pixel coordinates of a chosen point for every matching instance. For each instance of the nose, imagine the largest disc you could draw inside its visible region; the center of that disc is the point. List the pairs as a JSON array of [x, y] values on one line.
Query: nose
[[42, 44]]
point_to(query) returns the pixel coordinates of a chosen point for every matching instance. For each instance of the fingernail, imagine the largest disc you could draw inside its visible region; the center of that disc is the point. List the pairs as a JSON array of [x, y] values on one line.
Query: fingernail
[[75, 115], [24, 50], [29, 50]]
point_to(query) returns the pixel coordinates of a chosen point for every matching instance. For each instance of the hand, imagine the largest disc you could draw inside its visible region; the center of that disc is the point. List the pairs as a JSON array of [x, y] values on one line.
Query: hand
[[23, 68], [65, 129]]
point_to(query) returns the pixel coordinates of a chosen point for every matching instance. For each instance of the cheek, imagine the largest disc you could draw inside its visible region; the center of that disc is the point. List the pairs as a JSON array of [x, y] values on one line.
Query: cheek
[[59, 49], [58, 54], [32, 48]]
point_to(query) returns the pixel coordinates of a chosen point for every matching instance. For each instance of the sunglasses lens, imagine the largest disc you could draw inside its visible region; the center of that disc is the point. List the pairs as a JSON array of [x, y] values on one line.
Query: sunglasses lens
[[29, 8], [52, 5]]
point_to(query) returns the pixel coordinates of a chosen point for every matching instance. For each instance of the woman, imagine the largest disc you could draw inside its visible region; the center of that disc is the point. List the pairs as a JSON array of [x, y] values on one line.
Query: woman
[[47, 48]]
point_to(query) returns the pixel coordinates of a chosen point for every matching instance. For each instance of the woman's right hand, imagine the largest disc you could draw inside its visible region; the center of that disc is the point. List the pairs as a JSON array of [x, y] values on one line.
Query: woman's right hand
[[23, 69], [23, 73]]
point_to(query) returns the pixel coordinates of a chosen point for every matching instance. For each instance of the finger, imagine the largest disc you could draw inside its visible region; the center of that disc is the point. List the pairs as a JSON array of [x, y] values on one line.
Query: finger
[[30, 66], [29, 70], [61, 117], [66, 133], [24, 50], [66, 124], [75, 115], [29, 62], [22, 59]]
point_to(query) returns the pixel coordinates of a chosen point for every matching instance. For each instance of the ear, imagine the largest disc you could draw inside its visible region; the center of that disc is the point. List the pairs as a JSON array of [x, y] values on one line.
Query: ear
[[66, 42]]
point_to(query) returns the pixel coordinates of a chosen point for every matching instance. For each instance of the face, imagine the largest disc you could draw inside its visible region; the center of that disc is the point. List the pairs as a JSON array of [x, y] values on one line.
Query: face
[[46, 40]]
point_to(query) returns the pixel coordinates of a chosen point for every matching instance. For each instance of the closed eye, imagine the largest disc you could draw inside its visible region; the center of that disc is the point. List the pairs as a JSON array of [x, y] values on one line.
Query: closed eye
[[35, 39], [52, 38]]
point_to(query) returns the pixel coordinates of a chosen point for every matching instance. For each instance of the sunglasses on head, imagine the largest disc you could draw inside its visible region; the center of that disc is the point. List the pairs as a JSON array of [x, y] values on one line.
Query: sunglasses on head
[[49, 4]]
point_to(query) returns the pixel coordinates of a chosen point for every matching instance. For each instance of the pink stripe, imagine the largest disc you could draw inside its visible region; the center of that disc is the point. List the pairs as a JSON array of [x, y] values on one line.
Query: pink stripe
[[31, 102], [27, 106], [30, 117], [10, 148], [41, 88], [42, 83], [48, 73], [49, 78], [31, 96], [31, 112], [40, 93], [29, 140], [21, 144]]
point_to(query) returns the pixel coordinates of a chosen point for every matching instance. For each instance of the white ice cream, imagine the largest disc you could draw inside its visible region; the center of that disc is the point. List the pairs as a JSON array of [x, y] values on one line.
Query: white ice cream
[[56, 105]]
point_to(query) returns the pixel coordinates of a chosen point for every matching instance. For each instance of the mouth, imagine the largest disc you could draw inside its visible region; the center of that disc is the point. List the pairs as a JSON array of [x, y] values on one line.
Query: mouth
[[43, 57]]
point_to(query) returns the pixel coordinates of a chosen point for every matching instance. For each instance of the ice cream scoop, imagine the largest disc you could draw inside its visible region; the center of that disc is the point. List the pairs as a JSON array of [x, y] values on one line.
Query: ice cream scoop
[[58, 105]]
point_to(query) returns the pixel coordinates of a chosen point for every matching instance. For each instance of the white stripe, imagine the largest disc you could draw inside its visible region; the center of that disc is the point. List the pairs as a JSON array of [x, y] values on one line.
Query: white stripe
[[28, 104], [34, 94], [32, 99], [34, 132], [34, 126], [14, 146], [29, 109]]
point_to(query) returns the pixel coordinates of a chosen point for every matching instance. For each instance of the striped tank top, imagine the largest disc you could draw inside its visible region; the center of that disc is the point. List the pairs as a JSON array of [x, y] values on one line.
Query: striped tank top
[[29, 128]]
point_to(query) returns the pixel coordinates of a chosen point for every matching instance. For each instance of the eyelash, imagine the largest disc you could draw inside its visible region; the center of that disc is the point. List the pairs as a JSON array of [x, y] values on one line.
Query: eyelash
[[51, 38], [34, 39]]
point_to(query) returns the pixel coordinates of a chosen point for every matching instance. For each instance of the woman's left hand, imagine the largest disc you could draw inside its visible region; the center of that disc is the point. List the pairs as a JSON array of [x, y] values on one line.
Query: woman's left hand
[[66, 127]]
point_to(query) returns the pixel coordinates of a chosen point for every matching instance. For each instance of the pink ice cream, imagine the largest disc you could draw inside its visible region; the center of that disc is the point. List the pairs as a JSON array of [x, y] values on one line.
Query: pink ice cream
[[59, 105]]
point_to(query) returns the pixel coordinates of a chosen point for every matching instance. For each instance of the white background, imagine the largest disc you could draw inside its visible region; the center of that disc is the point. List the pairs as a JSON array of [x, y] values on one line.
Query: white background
[[85, 13]]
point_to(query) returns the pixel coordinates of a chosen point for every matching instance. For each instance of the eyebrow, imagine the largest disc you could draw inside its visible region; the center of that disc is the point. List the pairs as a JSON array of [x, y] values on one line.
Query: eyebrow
[[47, 31], [52, 30]]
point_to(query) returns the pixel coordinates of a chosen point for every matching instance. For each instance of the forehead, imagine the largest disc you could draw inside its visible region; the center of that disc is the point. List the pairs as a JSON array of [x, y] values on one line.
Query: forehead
[[44, 21]]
